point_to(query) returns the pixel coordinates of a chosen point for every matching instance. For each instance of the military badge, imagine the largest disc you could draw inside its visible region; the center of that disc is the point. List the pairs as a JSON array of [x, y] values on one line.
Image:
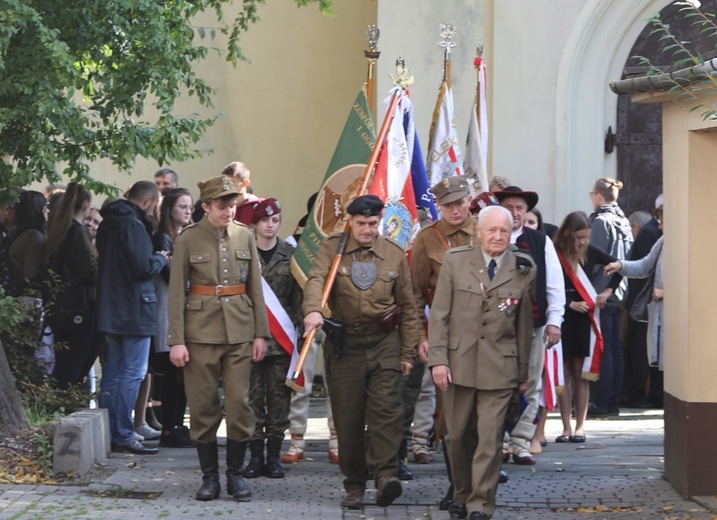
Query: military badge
[[508, 305], [363, 274], [243, 274]]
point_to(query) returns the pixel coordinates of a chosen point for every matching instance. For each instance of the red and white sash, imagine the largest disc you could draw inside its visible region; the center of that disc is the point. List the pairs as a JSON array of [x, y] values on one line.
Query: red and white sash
[[582, 284], [553, 377], [281, 327]]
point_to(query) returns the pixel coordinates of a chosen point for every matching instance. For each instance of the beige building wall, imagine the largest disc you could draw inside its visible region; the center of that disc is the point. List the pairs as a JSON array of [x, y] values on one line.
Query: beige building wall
[[281, 114]]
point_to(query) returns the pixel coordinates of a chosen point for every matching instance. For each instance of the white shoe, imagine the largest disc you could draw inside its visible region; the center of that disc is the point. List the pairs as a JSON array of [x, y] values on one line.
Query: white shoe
[[136, 436], [146, 431]]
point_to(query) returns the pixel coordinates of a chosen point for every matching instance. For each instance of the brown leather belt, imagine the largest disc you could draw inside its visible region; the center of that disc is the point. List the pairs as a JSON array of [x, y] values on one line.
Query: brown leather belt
[[217, 290], [359, 329]]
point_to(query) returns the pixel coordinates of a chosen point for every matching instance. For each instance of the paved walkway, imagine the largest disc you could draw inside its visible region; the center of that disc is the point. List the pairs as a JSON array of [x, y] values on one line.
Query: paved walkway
[[616, 474]]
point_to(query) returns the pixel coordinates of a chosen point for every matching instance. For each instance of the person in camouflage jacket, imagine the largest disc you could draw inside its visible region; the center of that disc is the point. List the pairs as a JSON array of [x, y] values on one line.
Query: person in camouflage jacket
[[269, 396]]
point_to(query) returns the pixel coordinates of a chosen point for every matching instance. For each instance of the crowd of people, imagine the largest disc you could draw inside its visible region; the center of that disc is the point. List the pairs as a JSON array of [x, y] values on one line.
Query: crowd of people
[[446, 350]]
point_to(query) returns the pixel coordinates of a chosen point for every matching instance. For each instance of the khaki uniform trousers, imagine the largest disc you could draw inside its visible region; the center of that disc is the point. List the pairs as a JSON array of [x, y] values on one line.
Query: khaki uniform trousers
[[475, 462], [365, 387], [208, 364]]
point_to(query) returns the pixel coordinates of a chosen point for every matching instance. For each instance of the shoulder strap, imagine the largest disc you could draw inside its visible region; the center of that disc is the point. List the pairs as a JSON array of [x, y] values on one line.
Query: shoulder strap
[[441, 237]]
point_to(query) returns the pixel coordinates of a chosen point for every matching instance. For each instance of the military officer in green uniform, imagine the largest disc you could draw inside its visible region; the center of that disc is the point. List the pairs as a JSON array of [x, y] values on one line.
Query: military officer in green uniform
[[217, 327], [373, 306]]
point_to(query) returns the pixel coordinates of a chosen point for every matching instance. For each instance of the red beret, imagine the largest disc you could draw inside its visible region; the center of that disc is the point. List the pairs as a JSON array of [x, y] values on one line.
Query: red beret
[[265, 208], [482, 200]]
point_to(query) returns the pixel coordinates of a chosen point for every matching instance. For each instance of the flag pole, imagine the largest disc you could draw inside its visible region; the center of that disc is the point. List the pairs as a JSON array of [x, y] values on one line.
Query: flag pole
[[401, 80], [477, 63], [446, 31], [372, 55]]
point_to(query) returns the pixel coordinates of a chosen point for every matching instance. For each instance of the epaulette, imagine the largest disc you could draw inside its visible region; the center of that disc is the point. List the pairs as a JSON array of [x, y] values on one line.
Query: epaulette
[[393, 242], [241, 224], [190, 226], [460, 249], [523, 261]]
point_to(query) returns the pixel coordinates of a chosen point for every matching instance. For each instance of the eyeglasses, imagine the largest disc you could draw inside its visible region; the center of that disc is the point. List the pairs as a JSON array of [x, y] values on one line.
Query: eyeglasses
[[184, 207]]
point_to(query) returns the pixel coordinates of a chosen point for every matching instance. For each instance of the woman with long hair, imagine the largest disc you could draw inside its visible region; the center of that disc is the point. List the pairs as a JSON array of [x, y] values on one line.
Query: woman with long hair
[[69, 255], [581, 339], [174, 214], [26, 243]]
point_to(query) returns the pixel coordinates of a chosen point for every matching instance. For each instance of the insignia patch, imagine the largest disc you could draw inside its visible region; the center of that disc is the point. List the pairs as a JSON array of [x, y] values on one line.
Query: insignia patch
[[243, 274], [363, 274]]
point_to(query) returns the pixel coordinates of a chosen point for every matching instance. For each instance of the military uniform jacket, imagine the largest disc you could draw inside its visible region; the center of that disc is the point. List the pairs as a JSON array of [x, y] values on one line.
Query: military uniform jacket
[[428, 252], [482, 329], [277, 274], [352, 305], [204, 256]]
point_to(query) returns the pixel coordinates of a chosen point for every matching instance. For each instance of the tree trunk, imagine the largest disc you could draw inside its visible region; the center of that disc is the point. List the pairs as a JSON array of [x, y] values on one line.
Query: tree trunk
[[12, 415]]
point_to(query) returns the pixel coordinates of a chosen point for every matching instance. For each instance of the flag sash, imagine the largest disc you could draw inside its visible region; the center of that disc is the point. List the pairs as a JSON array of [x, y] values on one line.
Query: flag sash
[[281, 327], [586, 291], [553, 377]]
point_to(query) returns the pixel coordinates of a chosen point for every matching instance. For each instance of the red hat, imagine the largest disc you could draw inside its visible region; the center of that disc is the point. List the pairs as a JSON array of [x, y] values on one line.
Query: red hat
[[265, 208], [483, 200], [245, 211]]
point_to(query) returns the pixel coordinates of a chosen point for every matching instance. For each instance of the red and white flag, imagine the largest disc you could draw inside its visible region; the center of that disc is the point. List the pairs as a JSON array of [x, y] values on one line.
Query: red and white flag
[[475, 162], [444, 153], [281, 327], [553, 377], [392, 181]]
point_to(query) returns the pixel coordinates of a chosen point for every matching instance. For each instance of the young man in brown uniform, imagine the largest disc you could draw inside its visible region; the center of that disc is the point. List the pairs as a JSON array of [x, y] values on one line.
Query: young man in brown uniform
[[217, 330], [373, 298], [455, 228]]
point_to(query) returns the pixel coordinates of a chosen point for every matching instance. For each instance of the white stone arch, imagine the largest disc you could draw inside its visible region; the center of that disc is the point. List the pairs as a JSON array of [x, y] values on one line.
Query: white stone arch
[[594, 54]]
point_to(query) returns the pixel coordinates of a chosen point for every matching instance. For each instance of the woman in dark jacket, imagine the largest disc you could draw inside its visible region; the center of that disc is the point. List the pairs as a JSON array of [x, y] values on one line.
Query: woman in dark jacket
[[174, 214], [26, 243], [69, 255]]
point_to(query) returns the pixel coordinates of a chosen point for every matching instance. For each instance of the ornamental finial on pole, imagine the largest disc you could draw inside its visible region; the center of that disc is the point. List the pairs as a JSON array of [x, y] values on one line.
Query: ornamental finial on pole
[[372, 34], [446, 31], [402, 79]]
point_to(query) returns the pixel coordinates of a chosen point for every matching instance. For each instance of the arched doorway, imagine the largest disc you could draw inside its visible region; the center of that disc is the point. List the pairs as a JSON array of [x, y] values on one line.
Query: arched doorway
[[637, 136]]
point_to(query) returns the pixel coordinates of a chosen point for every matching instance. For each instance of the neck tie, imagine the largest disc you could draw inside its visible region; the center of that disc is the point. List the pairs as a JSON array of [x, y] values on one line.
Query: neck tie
[[491, 269]]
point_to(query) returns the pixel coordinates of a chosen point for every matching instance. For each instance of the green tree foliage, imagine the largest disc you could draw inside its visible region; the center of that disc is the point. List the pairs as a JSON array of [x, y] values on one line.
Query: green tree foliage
[[692, 76], [77, 75]]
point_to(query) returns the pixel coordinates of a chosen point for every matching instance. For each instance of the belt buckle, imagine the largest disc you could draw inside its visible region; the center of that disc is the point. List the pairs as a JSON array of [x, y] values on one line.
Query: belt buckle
[[358, 328], [217, 289]]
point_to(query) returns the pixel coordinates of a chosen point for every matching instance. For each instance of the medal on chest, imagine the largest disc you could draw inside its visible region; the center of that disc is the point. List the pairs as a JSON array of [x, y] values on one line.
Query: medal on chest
[[363, 274]]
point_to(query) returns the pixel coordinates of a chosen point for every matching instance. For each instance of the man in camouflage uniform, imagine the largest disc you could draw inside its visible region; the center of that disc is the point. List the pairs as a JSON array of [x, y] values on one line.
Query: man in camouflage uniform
[[373, 300], [269, 396]]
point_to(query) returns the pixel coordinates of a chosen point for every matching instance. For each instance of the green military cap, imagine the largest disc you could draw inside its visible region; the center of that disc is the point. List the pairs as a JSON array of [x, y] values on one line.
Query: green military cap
[[450, 189], [216, 187]]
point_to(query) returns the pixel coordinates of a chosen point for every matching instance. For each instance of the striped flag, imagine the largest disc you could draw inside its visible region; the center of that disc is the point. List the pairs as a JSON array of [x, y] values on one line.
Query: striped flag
[[475, 163], [392, 180], [444, 152], [281, 327]]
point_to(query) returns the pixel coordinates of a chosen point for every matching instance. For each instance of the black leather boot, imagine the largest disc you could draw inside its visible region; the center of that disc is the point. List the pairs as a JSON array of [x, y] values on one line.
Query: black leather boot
[[403, 472], [236, 486], [209, 462], [273, 467], [256, 463]]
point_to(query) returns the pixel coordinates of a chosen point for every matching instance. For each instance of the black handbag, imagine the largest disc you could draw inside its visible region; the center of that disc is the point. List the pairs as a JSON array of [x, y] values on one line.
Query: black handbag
[[638, 311]]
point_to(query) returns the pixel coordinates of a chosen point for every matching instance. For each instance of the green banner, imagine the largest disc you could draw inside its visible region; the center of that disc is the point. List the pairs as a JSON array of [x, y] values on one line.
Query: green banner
[[339, 187]]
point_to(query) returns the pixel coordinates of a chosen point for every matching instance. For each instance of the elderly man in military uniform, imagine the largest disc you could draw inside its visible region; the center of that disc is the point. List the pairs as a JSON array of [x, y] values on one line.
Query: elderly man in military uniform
[[217, 329], [373, 308], [479, 334]]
